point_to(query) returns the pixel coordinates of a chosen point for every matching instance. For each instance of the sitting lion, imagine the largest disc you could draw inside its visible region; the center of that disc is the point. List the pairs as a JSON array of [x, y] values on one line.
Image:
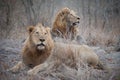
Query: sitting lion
[[65, 24], [40, 51]]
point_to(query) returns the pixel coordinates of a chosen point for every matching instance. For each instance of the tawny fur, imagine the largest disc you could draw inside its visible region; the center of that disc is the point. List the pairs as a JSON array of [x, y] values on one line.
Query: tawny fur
[[63, 24], [69, 54], [32, 56]]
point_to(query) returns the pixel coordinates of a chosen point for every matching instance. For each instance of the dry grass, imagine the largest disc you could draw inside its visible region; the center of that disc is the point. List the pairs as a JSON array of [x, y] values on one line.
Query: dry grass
[[17, 15], [57, 71], [99, 36]]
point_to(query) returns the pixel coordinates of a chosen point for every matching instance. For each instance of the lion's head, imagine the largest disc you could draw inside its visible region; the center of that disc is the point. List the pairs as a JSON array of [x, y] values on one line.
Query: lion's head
[[65, 24], [40, 37], [67, 17]]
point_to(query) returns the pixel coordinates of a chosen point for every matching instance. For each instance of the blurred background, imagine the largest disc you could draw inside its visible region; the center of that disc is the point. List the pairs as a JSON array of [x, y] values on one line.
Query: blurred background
[[99, 24]]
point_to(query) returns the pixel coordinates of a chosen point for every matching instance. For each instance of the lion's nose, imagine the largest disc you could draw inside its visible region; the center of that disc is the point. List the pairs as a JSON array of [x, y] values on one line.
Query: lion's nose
[[78, 18], [42, 40]]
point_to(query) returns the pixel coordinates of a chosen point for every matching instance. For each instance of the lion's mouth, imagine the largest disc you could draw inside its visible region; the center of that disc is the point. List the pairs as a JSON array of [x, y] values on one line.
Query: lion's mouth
[[40, 46], [75, 23]]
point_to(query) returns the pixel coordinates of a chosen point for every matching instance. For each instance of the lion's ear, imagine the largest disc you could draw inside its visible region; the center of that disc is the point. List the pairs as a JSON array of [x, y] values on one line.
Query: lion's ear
[[65, 10], [48, 29], [30, 29]]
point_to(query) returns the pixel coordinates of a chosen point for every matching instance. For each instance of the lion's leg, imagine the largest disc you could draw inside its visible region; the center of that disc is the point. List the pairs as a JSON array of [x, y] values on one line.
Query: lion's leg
[[19, 66], [38, 68]]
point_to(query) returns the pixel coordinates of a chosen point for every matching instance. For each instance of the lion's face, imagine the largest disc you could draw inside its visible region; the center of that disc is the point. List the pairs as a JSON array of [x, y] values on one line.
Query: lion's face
[[41, 37], [71, 17]]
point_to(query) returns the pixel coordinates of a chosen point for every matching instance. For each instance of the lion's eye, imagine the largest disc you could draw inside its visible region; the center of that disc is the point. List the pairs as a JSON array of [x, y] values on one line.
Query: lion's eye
[[45, 33], [37, 33]]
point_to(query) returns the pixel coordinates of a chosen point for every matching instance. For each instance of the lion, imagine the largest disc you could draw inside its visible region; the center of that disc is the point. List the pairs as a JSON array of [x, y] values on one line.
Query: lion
[[40, 51], [36, 49], [65, 24]]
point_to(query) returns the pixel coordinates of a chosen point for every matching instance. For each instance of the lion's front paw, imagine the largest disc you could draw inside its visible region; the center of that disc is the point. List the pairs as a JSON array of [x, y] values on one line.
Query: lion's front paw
[[32, 72]]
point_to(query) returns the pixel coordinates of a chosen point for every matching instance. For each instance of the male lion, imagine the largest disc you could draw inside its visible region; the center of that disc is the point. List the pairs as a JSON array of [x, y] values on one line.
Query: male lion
[[40, 51], [36, 49], [65, 24]]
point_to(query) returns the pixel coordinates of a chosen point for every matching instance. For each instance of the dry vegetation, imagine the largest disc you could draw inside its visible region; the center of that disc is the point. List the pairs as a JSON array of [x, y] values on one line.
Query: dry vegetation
[[9, 56], [99, 27], [98, 36]]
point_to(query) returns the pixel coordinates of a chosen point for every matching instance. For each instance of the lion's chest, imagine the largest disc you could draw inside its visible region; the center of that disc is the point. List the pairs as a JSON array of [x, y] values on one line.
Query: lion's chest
[[33, 60]]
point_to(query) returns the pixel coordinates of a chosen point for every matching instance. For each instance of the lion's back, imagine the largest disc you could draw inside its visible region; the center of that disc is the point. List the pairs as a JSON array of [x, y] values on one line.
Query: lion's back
[[68, 52]]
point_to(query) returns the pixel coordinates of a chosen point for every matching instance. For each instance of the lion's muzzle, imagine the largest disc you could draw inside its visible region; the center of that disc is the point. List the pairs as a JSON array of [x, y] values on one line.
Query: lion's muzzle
[[75, 23], [41, 46]]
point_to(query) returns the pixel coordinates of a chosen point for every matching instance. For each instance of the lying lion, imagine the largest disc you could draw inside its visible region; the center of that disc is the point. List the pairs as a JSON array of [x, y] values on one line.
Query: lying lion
[[40, 51]]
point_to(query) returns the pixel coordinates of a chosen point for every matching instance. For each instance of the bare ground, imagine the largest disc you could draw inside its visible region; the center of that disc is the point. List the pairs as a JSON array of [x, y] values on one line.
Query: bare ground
[[10, 55]]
